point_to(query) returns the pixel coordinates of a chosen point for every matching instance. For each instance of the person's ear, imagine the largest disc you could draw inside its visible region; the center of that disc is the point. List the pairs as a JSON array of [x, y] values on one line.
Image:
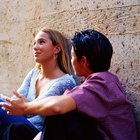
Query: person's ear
[[57, 49], [84, 61]]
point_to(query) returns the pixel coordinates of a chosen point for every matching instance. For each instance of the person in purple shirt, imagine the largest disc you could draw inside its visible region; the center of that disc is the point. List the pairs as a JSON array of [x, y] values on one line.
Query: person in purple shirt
[[100, 96]]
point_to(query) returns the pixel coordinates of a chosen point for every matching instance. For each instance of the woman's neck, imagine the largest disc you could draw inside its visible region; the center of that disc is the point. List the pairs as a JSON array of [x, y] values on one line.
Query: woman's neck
[[51, 72]]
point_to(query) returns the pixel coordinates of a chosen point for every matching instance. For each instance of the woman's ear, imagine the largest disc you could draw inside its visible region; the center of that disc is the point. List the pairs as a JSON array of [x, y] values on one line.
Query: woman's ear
[[57, 49]]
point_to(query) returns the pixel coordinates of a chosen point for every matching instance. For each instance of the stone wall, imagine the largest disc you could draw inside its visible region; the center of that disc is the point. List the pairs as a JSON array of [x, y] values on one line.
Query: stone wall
[[117, 19]]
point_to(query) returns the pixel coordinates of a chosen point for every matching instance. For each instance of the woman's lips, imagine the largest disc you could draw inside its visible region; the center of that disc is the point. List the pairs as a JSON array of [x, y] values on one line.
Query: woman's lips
[[36, 54]]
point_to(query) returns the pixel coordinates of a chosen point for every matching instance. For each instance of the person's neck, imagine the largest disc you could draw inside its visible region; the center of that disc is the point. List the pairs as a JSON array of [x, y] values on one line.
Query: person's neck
[[87, 73], [50, 72]]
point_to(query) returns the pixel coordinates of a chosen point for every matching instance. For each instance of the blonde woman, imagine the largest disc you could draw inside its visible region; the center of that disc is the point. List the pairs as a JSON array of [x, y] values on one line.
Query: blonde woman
[[50, 77]]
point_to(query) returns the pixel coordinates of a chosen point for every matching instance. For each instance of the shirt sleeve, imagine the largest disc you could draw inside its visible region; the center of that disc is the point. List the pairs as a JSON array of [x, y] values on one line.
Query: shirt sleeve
[[24, 88], [89, 101]]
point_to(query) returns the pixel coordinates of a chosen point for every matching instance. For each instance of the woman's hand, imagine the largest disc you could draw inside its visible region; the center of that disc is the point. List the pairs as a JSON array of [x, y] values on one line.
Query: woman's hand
[[38, 136], [14, 106]]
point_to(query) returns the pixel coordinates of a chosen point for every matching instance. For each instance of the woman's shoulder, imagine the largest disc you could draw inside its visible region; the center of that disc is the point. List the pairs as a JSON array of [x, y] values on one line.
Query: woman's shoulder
[[32, 74], [34, 71], [66, 77], [65, 80]]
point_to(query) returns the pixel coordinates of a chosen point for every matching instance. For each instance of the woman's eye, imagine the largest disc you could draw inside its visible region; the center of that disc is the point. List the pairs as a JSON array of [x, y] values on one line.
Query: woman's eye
[[42, 42]]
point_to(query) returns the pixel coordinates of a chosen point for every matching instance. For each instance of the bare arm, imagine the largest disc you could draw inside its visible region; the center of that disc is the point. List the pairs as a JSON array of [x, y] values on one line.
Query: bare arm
[[38, 136], [49, 106]]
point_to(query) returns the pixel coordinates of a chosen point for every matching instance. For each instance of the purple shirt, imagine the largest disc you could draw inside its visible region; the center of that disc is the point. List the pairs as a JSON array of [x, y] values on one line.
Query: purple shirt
[[102, 97]]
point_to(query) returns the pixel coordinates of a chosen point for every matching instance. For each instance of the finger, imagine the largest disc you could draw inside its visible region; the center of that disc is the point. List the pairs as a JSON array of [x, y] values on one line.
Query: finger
[[1, 103], [5, 106], [5, 109], [2, 96], [6, 98], [9, 113], [17, 94]]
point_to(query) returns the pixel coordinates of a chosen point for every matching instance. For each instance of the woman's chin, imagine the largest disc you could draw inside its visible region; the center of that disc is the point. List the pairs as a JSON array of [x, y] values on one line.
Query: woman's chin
[[36, 60]]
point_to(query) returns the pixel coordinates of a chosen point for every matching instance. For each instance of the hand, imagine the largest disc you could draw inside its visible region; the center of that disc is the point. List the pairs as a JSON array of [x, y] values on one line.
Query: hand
[[14, 106], [38, 136]]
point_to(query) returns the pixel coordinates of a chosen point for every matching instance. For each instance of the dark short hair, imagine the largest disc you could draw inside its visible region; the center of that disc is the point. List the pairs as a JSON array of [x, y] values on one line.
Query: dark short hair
[[95, 47]]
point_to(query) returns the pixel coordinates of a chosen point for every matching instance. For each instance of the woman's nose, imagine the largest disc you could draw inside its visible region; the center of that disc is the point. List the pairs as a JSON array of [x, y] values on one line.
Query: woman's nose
[[35, 47]]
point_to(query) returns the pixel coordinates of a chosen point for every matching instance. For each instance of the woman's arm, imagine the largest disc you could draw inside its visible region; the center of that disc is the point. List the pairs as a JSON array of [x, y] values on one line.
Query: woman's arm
[[24, 87], [49, 106]]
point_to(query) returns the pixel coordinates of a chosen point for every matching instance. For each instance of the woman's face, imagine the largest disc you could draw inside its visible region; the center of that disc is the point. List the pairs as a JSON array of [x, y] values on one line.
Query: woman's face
[[43, 49]]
